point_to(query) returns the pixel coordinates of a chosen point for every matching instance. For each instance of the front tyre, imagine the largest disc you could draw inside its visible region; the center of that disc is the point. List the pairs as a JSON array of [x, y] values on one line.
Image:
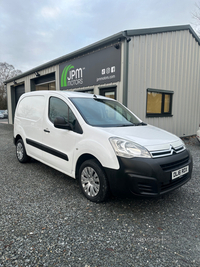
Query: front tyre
[[21, 152], [93, 181]]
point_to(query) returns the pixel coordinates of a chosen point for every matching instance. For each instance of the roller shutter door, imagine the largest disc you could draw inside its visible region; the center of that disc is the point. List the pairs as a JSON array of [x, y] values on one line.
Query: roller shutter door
[[19, 90]]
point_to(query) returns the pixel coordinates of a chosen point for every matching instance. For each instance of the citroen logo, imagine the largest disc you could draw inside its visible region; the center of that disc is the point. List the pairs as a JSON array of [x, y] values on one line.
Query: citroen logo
[[172, 149]]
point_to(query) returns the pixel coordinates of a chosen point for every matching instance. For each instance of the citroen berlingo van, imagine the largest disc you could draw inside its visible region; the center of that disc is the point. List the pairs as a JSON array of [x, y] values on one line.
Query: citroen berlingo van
[[101, 143]]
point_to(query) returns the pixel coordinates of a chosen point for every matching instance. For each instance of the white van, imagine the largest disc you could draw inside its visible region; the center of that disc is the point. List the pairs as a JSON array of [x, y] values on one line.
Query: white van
[[99, 142], [198, 134]]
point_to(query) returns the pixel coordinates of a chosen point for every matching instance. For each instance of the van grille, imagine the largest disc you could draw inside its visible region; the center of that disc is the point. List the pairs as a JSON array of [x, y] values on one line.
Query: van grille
[[167, 152], [145, 188], [174, 165]]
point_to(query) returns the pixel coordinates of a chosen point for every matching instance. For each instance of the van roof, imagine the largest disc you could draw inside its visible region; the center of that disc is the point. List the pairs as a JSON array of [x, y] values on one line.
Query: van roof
[[64, 93]]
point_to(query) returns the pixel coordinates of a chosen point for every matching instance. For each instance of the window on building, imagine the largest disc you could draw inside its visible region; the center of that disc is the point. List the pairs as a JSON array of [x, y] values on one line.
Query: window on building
[[88, 91], [46, 86], [159, 103], [43, 82], [108, 92]]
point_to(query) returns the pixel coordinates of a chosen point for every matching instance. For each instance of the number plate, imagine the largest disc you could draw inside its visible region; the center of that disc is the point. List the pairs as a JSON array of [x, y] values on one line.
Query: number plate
[[180, 172]]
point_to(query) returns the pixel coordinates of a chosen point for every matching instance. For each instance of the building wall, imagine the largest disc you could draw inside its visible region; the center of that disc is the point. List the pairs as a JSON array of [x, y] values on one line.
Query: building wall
[[167, 61]]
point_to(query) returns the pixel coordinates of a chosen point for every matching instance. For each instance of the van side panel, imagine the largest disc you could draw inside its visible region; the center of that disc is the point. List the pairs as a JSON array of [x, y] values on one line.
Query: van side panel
[[29, 122]]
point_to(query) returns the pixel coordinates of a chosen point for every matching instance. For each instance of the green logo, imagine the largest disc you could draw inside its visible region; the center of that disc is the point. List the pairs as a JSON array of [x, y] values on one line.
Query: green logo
[[64, 75]]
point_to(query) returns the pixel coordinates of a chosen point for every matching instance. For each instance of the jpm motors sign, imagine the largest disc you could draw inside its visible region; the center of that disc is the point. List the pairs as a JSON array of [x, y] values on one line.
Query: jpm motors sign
[[103, 66]]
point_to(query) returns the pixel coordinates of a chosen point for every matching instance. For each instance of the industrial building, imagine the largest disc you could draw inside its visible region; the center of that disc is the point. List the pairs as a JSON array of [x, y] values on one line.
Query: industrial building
[[155, 72]]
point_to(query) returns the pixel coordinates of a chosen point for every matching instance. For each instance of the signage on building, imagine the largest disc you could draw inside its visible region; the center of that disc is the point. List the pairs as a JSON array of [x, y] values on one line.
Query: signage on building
[[103, 66]]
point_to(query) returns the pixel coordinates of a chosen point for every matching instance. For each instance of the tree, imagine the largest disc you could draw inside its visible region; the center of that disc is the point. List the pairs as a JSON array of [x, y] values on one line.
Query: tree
[[6, 72], [196, 18]]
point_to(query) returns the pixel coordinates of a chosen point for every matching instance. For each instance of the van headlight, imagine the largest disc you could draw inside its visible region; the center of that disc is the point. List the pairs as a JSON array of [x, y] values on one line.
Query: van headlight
[[128, 149]]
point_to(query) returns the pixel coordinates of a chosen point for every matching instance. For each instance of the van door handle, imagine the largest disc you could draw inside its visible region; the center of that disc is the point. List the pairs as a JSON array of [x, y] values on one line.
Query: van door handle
[[46, 131]]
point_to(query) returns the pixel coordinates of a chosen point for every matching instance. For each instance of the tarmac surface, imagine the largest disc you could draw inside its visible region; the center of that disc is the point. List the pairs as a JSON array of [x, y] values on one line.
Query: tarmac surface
[[46, 221]]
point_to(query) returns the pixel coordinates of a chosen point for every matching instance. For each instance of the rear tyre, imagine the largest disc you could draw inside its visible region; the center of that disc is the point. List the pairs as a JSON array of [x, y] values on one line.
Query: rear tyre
[[21, 152], [93, 181]]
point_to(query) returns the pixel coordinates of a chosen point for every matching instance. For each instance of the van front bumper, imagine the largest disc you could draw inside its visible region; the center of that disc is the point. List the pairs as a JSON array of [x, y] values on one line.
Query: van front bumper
[[149, 177]]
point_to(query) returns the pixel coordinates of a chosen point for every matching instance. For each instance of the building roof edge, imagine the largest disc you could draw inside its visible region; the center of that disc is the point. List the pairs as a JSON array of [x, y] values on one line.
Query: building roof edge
[[162, 30], [103, 42]]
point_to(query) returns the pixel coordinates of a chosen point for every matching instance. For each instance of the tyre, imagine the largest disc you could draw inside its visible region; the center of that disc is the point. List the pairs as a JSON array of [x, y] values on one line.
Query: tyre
[[93, 181], [21, 152]]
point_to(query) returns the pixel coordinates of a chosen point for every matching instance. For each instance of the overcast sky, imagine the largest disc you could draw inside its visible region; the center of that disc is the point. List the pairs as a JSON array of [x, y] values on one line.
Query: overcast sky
[[33, 32]]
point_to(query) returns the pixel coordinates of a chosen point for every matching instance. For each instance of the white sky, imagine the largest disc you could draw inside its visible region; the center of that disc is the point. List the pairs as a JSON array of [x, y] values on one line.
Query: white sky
[[33, 32]]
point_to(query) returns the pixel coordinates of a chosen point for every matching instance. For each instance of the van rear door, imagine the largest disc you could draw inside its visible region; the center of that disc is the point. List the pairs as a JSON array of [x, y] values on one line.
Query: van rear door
[[29, 123]]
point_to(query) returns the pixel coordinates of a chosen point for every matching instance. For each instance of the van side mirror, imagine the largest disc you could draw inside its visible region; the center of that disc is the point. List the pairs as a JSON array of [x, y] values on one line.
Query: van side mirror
[[60, 123]]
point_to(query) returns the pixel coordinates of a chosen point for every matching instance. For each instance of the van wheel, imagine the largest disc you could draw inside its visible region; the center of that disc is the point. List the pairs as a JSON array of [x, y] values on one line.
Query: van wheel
[[93, 181], [21, 152]]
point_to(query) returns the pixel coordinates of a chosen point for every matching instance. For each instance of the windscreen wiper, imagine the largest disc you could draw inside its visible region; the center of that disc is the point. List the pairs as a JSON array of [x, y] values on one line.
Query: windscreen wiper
[[126, 125], [140, 123]]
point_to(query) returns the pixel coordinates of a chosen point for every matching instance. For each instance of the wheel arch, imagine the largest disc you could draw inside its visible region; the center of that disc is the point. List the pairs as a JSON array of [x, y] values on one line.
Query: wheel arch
[[17, 138], [95, 194], [83, 158]]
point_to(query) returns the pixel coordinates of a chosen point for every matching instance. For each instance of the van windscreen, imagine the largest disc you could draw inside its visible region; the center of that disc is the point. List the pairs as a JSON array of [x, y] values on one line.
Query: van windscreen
[[104, 112]]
